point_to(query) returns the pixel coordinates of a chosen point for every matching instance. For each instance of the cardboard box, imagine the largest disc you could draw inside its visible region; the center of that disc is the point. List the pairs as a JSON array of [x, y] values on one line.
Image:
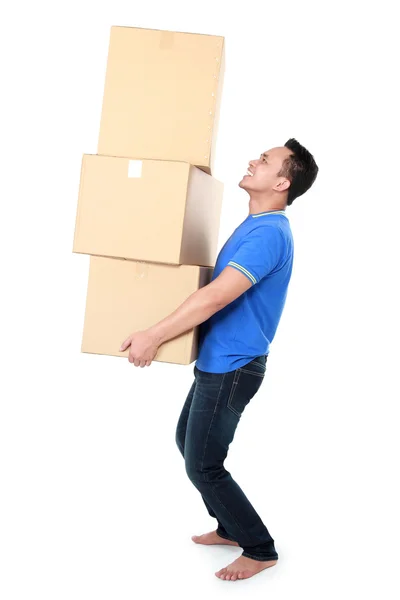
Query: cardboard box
[[152, 210], [162, 95], [125, 296]]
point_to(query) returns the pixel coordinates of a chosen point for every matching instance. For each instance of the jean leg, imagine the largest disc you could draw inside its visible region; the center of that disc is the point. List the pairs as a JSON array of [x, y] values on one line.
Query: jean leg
[[180, 437], [180, 433], [217, 405]]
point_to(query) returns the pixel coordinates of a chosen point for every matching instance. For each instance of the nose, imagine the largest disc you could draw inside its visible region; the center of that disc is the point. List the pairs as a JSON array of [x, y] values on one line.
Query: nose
[[253, 163]]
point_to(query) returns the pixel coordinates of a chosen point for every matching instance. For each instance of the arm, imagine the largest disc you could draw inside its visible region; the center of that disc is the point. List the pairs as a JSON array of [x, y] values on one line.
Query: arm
[[198, 307], [257, 255], [202, 304]]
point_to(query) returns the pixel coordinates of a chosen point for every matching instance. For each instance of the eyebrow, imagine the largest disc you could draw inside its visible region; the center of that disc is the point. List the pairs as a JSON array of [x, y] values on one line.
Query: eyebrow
[[264, 154]]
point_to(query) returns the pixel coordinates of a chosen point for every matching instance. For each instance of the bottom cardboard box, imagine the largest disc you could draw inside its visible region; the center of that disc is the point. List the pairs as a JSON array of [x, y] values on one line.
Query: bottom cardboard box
[[125, 296]]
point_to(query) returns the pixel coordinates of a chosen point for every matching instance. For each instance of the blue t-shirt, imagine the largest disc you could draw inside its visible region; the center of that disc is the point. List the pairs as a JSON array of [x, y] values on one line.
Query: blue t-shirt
[[261, 247]]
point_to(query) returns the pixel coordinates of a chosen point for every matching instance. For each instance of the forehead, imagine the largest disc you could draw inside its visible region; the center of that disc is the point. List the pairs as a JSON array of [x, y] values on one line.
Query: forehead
[[276, 154]]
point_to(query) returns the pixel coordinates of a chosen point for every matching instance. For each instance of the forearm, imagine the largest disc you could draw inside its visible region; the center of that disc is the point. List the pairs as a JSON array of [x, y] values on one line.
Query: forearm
[[196, 309]]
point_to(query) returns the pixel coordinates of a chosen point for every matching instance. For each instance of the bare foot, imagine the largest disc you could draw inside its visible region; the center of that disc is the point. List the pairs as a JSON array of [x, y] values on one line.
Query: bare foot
[[212, 538], [243, 568]]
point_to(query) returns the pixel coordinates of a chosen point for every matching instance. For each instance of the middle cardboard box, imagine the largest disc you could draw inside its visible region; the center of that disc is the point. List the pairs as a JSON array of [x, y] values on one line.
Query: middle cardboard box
[[150, 210]]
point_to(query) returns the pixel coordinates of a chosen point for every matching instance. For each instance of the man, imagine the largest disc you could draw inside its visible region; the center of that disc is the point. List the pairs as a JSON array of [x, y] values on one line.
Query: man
[[239, 311]]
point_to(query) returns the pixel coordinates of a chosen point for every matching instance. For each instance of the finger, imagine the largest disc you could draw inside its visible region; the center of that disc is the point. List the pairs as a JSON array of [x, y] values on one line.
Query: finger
[[137, 362], [125, 344], [130, 358], [148, 363]]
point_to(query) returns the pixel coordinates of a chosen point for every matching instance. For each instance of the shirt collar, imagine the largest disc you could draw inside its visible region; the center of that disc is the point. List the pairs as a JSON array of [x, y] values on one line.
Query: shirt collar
[[270, 212]]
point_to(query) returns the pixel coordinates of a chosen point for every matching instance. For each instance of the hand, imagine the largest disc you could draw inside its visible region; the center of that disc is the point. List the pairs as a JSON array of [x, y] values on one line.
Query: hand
[[143, 348]]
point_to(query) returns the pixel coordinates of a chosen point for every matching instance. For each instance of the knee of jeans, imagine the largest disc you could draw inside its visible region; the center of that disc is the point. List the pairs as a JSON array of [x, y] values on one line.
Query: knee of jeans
[[194, 471], [180, 441], [190, 468]]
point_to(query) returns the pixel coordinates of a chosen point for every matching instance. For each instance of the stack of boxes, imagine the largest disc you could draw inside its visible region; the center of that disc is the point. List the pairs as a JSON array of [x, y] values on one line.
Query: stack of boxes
[[149, 208]]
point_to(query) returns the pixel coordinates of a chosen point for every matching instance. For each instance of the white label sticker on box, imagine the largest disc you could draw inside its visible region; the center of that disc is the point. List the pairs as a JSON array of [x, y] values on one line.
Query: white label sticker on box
[[135, 168]]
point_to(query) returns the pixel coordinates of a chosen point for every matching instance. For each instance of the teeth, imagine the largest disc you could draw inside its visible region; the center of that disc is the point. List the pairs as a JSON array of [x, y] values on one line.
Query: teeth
[[250, 173]]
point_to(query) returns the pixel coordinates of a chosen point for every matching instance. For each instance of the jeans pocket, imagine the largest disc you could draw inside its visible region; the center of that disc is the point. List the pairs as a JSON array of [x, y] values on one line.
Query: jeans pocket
[[245, 385], [257, 366]]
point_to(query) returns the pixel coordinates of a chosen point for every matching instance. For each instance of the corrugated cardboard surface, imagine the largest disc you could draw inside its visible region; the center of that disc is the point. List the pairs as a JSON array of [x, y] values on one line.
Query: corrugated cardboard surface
[[161, 95], [202, 219], [152, 210], [125, 296]]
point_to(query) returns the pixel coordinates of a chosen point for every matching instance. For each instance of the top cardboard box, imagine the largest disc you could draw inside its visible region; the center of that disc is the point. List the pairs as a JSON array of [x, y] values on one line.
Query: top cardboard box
[[162, 95]]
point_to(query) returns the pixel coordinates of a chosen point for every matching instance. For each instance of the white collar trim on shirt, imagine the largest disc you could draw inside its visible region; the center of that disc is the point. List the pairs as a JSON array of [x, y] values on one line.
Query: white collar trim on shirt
[[270, 212]]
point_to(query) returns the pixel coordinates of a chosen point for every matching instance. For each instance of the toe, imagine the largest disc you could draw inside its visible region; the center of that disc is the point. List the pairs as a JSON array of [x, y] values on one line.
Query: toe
[[247, 574], [234, 576], [221, 575]]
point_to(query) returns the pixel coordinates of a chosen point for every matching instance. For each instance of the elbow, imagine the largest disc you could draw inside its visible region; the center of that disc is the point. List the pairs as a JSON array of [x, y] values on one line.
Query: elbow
[[215, 296], [217, 302]]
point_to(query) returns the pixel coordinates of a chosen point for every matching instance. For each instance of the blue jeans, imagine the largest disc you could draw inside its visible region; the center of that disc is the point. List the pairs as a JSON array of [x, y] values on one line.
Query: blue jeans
[[205, 429]]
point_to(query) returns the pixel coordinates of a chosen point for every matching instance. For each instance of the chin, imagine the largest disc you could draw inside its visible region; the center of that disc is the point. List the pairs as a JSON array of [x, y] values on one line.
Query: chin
[[242, 184]]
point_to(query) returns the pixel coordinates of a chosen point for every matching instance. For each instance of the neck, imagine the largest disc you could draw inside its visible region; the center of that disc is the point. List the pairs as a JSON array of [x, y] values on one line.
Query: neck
[[263, 203]]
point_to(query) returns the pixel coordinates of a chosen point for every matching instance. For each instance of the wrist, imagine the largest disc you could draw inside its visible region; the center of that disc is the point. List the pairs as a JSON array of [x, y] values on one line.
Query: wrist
[[156, 333]]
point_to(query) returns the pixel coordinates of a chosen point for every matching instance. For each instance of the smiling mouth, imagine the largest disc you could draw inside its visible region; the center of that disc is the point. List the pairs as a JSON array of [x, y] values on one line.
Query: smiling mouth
[[249, 173]]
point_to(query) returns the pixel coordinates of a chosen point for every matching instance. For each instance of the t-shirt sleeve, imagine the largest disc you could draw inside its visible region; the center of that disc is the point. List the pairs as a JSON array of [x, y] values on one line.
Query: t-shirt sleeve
[[259, 253]]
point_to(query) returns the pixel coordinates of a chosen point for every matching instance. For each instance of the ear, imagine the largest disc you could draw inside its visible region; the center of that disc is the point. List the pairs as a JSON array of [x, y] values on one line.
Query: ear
[[282, 185]]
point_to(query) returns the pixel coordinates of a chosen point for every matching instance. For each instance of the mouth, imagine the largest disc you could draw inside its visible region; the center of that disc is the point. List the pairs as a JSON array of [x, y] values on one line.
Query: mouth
[[249, 173]]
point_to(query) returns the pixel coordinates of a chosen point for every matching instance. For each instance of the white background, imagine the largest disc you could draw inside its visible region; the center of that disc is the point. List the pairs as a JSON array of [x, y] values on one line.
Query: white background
[[95, 501]]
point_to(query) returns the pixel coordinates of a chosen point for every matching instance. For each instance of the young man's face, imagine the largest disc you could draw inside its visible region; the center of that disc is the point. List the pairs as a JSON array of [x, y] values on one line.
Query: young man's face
[[264, 171]]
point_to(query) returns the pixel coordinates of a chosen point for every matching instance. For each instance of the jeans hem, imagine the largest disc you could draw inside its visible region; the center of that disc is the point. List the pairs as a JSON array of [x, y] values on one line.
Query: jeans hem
[[225, 537], [260, 558]]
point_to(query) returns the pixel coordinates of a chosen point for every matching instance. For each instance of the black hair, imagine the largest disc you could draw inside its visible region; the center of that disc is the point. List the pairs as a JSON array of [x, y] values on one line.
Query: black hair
[[300, 168]]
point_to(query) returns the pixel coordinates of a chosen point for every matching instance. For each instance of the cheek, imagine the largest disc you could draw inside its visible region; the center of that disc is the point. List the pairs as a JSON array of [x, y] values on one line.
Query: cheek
[[261, 180]]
